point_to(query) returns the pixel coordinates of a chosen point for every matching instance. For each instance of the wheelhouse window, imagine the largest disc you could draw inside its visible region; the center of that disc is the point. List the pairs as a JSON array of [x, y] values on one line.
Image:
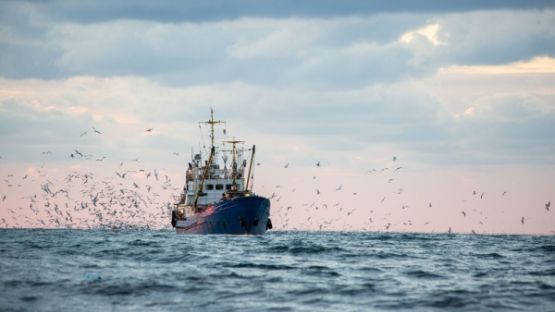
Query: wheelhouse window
[[219, 186], [228, 187], [209, 187]]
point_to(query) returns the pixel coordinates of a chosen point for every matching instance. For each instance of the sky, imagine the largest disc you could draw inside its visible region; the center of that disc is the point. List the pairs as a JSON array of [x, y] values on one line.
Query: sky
[[460, 94]]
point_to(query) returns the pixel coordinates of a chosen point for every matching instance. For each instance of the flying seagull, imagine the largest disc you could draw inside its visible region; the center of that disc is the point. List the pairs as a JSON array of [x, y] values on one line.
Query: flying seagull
[[149, 129], [547, 205], [96, 131]]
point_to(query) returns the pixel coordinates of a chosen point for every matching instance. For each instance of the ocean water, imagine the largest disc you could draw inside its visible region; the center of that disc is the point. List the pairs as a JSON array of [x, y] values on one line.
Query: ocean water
[[157, 270]]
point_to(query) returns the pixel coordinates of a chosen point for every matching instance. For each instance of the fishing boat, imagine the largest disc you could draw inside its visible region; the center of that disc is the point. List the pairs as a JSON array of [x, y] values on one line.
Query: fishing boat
[[218, 199]]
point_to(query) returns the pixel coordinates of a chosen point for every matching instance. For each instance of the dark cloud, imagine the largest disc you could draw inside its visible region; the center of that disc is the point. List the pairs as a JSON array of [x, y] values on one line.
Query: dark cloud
[[197, 11], [343, 52], [513, 37]]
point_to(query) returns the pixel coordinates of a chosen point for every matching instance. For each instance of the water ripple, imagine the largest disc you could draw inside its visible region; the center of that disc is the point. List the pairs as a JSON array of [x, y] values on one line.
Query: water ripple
[[80, 270]]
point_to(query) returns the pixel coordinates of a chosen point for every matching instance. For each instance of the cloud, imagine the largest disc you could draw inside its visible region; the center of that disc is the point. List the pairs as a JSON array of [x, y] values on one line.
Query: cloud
[[26, 131], [347, 51], [537, 65], [508, 128], [353, 77], [429, 32], [515, 36]]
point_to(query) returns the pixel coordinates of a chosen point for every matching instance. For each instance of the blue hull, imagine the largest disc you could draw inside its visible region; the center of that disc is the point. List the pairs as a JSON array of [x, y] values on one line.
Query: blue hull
[[241, 215]]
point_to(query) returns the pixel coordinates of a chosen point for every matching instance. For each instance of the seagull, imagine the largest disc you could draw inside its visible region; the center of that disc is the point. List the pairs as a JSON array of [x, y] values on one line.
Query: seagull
[[464, 213], [84, 133], [394, 158], [176, 153], [430, 205], [318, 164], [317, 192], [398, 168], [339, 188], [372, 170], [547, 205], [96, 131], [504, 193], [449, 231], [286, 165], [522, 220], [149, 129], [482, 195], [473, 192]]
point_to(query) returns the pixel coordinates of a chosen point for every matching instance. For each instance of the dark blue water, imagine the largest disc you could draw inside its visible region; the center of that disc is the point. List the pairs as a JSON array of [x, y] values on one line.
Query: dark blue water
[[84, 270]]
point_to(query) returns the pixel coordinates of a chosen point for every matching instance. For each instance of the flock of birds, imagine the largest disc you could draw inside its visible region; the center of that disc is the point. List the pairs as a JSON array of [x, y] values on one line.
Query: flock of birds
[[313, 211], [134, 196]]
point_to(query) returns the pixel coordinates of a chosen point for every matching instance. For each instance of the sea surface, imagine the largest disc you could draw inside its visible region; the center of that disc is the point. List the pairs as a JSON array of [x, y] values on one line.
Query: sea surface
[[157, 270]]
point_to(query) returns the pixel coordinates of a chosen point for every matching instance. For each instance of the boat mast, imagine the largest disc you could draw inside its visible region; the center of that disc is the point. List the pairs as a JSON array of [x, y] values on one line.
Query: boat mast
[[212, 122], [250, 168]]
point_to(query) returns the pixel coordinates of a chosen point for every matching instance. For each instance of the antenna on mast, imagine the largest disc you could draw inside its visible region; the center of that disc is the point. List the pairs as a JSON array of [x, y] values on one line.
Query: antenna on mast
[[212, 122]]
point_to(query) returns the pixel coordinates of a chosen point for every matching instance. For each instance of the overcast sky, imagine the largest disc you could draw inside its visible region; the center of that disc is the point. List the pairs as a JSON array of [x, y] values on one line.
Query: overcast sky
[[461, 92]]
